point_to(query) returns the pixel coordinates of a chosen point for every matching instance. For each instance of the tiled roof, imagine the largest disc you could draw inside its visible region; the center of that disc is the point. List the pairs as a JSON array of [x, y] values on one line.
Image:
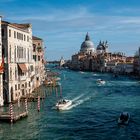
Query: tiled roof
[[36, 38], [21, 26]]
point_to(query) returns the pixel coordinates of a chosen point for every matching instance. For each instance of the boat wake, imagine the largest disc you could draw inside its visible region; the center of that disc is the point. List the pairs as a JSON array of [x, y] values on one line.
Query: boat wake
[[78, 97], [78, 102]]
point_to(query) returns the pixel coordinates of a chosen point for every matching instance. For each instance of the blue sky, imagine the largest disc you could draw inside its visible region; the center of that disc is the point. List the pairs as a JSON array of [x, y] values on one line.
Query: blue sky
[[63, 24]]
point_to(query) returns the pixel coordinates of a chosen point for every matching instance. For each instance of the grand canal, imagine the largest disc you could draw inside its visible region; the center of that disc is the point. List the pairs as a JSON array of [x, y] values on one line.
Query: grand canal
[[93, 114]]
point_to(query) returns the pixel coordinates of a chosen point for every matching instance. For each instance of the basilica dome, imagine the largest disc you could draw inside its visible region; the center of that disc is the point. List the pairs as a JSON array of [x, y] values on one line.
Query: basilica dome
[[87, 45]]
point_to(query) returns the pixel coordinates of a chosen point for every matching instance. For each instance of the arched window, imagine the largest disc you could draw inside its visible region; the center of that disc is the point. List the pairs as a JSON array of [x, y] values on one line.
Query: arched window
[[15, 54], [28, 55], [12, 94], [10, 54], [10, 74], [34, 47], [15, 73]]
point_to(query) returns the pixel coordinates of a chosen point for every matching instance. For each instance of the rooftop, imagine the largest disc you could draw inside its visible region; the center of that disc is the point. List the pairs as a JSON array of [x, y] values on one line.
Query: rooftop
[[20, 26], [36, 38]]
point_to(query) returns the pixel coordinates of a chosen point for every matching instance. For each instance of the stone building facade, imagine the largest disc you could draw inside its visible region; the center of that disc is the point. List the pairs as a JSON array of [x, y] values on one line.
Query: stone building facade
[[38, 57], [82, 60], [1, 68], [17, 51], [137, 62], [95, 59]]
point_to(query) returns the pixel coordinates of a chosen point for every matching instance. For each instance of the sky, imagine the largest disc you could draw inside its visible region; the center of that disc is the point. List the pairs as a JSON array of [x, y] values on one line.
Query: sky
[[63, 24]]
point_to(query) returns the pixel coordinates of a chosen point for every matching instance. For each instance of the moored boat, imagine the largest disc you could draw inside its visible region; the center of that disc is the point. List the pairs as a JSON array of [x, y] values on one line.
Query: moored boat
[[58, 79]]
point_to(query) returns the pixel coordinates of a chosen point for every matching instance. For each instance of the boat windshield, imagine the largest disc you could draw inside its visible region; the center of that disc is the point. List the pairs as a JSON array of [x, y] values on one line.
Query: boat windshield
[[62, 101], [124, 117]]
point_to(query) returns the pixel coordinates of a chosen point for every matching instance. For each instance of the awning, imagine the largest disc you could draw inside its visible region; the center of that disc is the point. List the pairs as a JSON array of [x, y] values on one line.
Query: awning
[[1, 69], [23, 67]]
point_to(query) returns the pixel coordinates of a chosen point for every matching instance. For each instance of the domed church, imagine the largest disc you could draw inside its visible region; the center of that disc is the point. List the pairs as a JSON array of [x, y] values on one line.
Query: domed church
[[87, 46], [102, 47]]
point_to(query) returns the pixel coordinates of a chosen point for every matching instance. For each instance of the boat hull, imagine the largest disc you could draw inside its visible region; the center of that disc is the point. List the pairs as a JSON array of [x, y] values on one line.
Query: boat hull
[[63, 106], [102, 82], [124, 122]]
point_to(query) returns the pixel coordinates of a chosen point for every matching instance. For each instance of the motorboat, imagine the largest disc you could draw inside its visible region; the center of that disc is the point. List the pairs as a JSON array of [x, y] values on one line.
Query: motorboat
[[81, 72], [63, 104], [58, 84], [124, 118], [58, 79], [100, 81], [115, 75]]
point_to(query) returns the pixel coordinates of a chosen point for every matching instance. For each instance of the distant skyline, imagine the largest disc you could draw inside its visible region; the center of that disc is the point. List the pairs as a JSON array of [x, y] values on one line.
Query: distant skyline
[[63, 24]]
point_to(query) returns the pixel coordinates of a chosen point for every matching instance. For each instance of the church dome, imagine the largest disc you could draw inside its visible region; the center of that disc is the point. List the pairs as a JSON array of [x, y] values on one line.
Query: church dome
[[102, 46], [87, 45]]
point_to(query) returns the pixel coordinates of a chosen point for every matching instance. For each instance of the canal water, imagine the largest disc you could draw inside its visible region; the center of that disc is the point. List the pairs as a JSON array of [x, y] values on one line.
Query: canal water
[[92, 116]]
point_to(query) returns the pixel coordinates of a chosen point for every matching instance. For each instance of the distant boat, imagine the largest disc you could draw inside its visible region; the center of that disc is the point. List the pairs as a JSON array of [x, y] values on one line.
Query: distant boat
[[100, 81], [81, 72], [124, 118], [58, 84], [58, 79], [115, 75], [63, 104]]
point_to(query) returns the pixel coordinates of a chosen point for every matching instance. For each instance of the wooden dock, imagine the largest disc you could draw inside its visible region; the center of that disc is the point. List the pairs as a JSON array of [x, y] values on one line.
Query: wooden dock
[[6, 116], [32, 98]]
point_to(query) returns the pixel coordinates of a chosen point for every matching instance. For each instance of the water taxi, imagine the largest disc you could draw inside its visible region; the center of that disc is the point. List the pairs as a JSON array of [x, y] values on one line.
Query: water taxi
[[81, 72], [57, 78], [63, 104], [100, 81]]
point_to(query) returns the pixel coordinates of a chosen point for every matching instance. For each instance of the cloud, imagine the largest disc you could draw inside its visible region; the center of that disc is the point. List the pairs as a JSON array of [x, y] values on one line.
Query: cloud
[[65, 29], [81, 17], [126, 11], [131, 21]]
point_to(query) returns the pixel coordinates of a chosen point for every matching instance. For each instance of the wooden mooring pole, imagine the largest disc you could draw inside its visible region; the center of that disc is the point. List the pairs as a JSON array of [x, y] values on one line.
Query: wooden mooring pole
[[18, 102], [60, 91], [11, 113], [26, 106], [38, 104], [56, 91]]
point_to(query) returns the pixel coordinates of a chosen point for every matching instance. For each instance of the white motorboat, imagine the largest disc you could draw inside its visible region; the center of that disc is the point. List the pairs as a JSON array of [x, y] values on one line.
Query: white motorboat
[[58, 79], [100, 81], [58, 84], [124, 118], [63, 104], [81, 72]]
